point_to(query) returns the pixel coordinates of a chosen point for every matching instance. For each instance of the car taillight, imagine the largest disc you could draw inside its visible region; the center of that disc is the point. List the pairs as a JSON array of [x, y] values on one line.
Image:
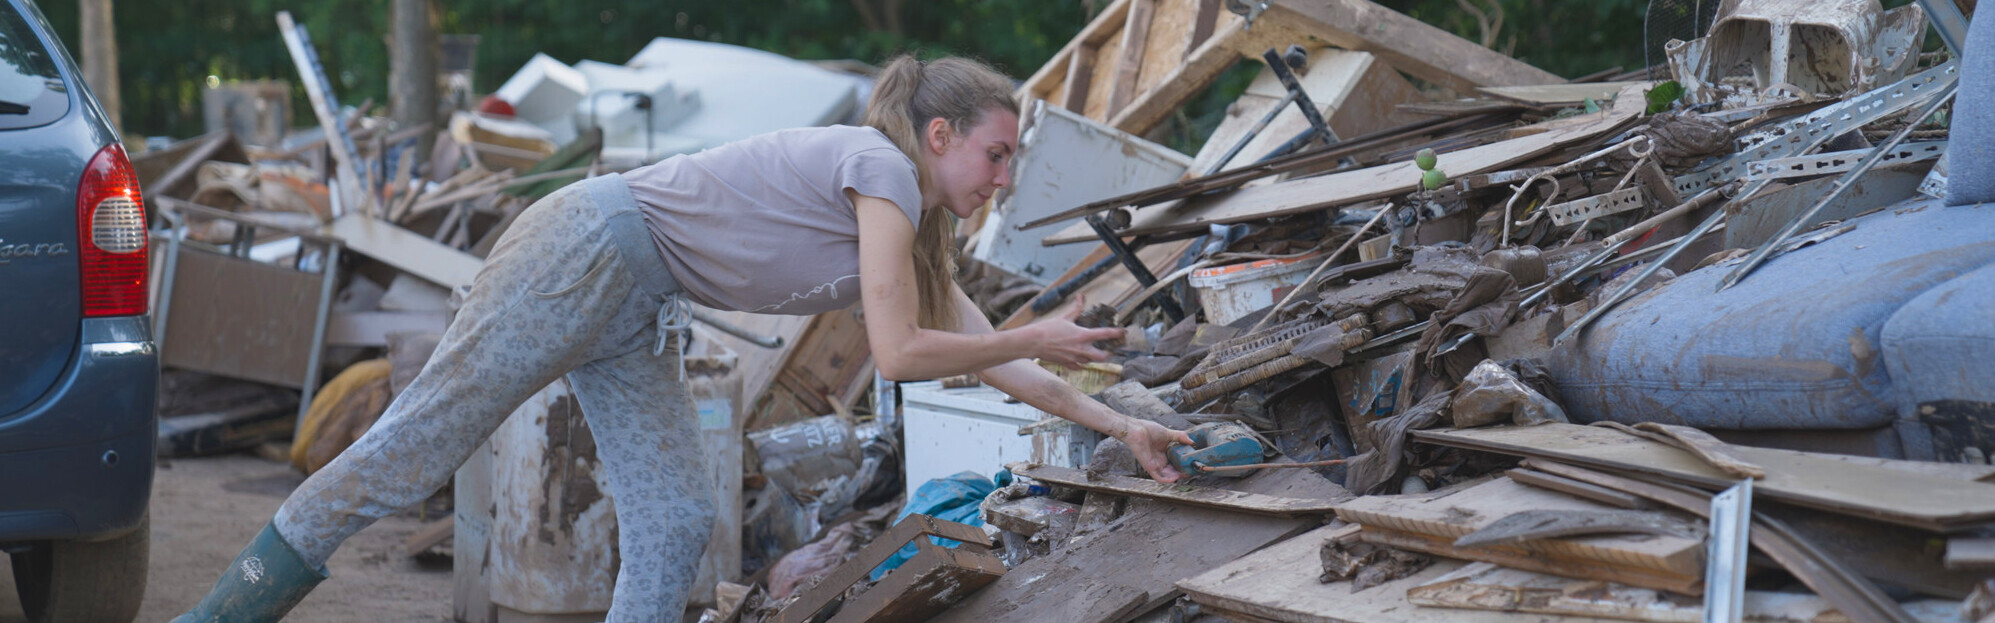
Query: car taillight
[[111, 236]]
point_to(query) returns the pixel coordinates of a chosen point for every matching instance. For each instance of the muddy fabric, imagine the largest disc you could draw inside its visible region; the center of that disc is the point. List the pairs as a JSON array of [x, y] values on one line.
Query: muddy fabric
[[1682, 140], [763, 224], [1371, 472], [1485, 305], [558, 295]]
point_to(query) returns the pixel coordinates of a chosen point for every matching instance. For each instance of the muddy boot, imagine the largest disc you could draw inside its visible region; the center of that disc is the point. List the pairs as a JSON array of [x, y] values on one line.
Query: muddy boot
[[264, 582]]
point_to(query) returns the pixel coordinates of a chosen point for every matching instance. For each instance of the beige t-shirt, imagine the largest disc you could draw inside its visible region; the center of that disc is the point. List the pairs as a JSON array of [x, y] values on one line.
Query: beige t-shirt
[[763, 224]]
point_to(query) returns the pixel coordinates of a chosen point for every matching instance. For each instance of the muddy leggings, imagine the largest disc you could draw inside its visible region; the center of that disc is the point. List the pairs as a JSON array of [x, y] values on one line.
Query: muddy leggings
[[558, 295]]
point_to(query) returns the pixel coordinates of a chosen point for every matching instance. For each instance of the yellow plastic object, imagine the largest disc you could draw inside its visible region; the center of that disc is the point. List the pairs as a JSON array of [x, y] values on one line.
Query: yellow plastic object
[[1090, 378], [331, 395]]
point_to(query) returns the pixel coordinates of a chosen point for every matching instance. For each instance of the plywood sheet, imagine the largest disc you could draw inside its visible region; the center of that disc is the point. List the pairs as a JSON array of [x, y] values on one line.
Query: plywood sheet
[[1895, 496], [1280, 584], [1150, 548], [1222, 499], [1460, 513]]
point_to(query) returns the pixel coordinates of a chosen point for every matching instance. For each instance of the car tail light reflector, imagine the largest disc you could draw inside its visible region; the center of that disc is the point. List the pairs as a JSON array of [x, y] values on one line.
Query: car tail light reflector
[[111, 236]]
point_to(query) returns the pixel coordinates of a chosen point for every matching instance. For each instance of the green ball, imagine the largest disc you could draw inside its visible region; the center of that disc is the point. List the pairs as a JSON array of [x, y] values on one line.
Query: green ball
[[1433, 179], [1425, 159]]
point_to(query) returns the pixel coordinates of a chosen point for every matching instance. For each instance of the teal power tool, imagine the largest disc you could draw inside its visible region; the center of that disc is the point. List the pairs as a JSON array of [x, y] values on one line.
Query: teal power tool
[[1219, 445]]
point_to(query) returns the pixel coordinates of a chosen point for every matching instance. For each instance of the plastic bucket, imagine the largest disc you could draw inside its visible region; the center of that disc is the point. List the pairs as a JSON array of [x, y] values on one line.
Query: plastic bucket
[[1230, 292]]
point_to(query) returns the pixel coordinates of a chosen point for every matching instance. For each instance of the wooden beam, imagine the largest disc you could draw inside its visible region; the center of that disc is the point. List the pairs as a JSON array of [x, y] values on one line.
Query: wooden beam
[[1135, 37], [1408, 44], [1080, 77], [406, 250], [1177, 87], [1202, 24]]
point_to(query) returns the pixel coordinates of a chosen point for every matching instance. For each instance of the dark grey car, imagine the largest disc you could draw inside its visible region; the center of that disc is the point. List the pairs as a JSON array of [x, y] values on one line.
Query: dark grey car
[[77, 362]]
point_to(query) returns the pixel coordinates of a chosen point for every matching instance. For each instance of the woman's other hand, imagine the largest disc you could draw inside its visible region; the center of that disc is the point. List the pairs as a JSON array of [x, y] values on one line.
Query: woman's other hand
[[1063, 342], [1150, 442]]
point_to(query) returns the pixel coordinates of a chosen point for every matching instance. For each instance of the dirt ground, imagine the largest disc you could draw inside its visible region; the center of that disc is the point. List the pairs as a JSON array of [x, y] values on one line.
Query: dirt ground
[[204, 510]]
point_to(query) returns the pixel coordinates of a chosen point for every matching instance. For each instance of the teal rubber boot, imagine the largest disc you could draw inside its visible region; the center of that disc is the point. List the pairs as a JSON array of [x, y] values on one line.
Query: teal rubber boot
[[265, 581]]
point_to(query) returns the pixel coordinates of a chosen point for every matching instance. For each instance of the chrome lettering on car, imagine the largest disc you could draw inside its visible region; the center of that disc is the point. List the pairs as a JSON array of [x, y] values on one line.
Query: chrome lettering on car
[[11, 252]]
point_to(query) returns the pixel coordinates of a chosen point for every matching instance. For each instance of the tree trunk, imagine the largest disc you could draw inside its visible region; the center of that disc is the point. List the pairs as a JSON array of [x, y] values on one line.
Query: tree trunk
[[100, 57], [412, 60]]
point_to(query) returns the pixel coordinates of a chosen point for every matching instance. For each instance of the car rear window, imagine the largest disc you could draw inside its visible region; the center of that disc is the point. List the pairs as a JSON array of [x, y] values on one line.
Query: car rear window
[[32, 91]]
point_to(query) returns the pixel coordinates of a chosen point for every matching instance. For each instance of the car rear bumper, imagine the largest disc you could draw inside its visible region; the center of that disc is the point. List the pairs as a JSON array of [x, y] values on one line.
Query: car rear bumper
[[78, 463]]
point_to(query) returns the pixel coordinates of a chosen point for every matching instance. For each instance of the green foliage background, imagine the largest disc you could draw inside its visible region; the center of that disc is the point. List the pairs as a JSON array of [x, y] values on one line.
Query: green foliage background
[[167, 50]]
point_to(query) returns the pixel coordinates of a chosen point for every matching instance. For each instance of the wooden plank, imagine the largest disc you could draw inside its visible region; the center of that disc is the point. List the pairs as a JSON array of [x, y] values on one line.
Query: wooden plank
[[1279, 583], [1338, 189], [1135, 37], [1579, 489], [818, 376], [1970, 554], [1151, 547], [1410, 45], [1206, 497], [1559, 94], [927, 583], [1482, 586], [1453, 516], [1899, 497], [406, 250]]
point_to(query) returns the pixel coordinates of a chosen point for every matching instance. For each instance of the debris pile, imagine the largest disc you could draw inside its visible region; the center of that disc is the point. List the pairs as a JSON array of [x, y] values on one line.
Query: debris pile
[[1460, 340], [1456, 338]]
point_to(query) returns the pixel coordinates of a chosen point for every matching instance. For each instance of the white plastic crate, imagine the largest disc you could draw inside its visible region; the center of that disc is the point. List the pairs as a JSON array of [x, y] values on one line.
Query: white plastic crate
[[974, 429]]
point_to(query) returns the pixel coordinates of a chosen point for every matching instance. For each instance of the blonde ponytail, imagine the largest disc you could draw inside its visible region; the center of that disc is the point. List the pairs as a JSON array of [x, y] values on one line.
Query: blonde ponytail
[[905, 97]]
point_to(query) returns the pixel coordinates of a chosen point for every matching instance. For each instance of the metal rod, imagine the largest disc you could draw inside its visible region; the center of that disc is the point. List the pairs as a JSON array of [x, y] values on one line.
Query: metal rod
[[1135, 266], [1946, 18], [1253, 132], [1629, 288], [1319, 268], [330, 270], [1309, 111], [1843, 184]]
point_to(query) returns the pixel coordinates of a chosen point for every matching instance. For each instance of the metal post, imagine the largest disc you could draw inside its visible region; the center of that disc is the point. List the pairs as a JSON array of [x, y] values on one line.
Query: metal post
[[1135, 266], [331, 275]]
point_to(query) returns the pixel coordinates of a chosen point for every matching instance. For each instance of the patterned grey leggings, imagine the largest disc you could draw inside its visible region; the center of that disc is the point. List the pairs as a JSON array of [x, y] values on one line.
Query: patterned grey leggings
[[556, 296]]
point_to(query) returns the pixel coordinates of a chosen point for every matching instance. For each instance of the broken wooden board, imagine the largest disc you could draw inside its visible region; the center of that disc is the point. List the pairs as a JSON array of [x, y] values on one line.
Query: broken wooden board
[[1676, 562], [1483, 586], [1894, 496], [406, 250], [1153, 545], [1568, 94], [933, 579], [1280, 583], [1520, 558], [1349, 187], [1854, 596], [1207, 497], [861, 564]]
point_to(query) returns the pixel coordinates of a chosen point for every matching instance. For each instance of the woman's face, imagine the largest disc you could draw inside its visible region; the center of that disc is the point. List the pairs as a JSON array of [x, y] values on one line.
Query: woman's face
[[971, 166]]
